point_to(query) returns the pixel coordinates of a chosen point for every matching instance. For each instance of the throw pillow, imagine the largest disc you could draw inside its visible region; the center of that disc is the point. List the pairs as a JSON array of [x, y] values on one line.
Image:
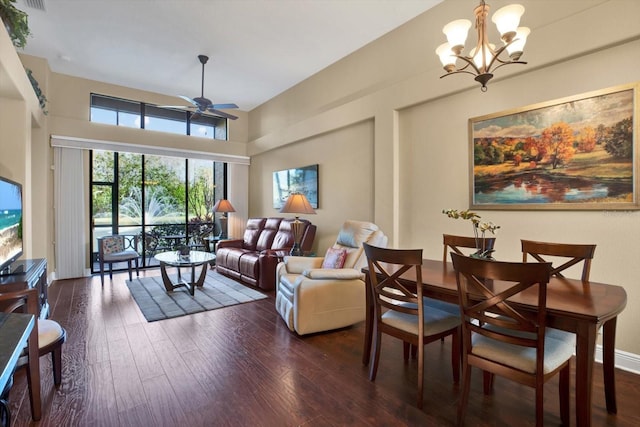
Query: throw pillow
[[334, 258]]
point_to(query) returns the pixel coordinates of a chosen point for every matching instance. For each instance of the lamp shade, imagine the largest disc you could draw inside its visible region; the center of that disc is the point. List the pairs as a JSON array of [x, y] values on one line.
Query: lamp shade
[[515, 49], [446, 55], [456, 32], [297, 203], [223, 205], [507, 18]]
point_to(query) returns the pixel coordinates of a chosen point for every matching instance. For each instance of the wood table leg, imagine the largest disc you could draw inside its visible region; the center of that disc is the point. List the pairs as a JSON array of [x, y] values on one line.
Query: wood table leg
[[368, 328], [203, 275], [33, 374], [608, 364], [585, 347], [165, 277]]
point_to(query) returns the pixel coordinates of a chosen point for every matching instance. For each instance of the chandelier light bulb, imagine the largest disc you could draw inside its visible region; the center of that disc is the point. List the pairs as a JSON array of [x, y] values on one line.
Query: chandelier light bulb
[[456, 32], [516, 48], [507, 20], [478, 58], [446, 56]]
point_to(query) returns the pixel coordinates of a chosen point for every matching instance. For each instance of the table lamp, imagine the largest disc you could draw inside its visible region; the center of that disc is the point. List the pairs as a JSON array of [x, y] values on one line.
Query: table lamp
[[297, 203], [223, 206]]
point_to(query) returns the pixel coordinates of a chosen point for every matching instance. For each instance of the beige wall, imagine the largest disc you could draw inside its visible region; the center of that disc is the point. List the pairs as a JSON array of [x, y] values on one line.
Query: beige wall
[[389, 135], [420, 140], [345, 178], [22, 130]]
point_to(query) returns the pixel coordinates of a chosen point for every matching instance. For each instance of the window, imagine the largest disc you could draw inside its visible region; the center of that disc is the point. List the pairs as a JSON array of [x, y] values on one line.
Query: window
[[139, 195], [113, 111], [122, 112]]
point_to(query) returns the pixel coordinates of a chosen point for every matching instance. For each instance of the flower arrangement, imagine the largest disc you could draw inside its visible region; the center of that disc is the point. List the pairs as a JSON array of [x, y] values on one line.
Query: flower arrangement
[[478, 225]]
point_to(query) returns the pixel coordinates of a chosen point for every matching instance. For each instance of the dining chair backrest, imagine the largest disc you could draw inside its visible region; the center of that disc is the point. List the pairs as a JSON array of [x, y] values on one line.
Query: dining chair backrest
[[576, 253], [480, 302], [389, 292], [454, 243], [399, 309], [501, 338]]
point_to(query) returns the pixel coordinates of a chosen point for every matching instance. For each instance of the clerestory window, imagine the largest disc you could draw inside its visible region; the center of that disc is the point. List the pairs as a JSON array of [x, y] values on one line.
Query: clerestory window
[[124, 112]]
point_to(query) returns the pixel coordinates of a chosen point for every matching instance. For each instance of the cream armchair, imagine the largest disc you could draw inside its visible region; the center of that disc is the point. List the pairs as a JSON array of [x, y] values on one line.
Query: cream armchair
[[313, 299]]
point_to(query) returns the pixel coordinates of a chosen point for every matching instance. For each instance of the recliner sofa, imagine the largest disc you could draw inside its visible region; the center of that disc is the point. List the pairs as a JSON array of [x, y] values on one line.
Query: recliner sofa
[[254, 258]]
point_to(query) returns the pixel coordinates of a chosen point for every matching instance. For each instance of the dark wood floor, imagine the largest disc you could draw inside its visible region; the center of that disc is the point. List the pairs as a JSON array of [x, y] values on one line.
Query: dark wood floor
[[240, 366]]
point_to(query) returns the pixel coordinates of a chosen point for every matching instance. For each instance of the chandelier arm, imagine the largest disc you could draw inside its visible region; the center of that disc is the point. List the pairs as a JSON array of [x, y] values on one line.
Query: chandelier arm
[[470, 63], [496, 56], [509, 63], [461, 71]]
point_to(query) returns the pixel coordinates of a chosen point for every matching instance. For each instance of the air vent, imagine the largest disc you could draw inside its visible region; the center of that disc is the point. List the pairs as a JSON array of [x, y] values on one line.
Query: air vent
[[35, 4]]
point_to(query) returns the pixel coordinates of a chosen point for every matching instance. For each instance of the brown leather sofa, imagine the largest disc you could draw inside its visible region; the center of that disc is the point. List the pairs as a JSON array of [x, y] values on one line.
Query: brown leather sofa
[[254, 258]]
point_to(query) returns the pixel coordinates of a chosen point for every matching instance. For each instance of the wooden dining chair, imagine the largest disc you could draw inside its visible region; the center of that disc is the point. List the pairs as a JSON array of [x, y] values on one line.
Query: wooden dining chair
[[576, 253], [502, 340], [50, 334], [454, 243], [399, 311]]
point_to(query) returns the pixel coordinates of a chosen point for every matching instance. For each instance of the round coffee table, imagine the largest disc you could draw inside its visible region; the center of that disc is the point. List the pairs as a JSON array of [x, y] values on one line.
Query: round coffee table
[[174, 259]]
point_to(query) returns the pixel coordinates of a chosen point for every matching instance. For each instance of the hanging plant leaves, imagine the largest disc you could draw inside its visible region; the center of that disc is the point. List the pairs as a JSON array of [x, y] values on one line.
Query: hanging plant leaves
[[16, 22], [36, 88]]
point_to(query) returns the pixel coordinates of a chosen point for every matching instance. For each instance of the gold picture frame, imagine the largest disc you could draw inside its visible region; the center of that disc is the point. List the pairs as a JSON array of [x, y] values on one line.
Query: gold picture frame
[[574, 153]]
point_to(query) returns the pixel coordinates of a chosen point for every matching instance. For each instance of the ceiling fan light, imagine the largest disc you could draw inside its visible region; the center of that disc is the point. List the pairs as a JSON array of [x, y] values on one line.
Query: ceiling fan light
[[507, 20], [456, 32], [516, 48]]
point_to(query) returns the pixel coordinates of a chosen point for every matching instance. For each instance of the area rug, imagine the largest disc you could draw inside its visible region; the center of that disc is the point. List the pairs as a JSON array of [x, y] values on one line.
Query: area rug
[[218, 291]]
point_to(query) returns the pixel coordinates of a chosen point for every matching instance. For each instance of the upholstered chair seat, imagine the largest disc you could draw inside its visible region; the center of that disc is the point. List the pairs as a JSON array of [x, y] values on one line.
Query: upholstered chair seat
[[112, 249]]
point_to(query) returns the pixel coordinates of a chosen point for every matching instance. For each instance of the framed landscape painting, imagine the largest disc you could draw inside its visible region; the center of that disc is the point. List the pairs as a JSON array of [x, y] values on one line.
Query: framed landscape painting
[[297, 180], [573, 153]]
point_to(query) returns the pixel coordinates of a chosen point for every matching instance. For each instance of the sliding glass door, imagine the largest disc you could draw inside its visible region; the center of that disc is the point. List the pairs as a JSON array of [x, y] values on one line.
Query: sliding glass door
[[158, 203]]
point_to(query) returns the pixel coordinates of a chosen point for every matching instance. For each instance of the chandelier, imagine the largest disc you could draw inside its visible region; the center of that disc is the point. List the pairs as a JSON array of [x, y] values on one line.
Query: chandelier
[[484, 58]]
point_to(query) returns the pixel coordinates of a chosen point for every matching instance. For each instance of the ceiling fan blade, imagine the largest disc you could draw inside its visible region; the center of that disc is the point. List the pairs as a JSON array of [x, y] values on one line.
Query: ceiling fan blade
[[179, 107], [221, 113], [224, 106], [189, 100]]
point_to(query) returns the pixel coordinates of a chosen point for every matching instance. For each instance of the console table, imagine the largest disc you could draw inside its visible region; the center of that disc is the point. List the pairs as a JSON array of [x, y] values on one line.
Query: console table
[[29, 273]]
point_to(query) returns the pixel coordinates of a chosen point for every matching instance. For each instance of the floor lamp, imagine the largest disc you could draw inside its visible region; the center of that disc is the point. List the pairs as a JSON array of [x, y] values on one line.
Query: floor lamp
[[223, 206], [297, 203]]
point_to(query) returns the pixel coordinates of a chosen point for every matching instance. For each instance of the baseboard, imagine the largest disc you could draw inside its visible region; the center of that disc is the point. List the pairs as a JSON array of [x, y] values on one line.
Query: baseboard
[[624, 360], [54, 275]]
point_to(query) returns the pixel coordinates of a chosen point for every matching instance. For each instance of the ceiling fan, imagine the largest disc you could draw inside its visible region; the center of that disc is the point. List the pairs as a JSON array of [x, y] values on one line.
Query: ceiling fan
[[202, 105]]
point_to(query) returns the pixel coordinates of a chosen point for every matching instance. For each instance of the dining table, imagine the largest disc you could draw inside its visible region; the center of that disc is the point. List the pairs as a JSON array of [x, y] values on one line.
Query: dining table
[[572, 305]]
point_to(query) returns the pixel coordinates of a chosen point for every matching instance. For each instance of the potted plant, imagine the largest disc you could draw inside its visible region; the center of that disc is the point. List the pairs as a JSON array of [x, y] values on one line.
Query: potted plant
[[482, 227], [16, 22]]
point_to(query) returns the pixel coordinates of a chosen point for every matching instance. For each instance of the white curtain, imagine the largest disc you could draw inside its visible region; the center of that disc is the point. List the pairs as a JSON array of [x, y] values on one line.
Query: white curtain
[[70, 213]]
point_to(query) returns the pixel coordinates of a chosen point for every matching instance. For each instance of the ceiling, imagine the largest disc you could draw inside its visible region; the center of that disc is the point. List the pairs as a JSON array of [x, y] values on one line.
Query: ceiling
[[257, 48]]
